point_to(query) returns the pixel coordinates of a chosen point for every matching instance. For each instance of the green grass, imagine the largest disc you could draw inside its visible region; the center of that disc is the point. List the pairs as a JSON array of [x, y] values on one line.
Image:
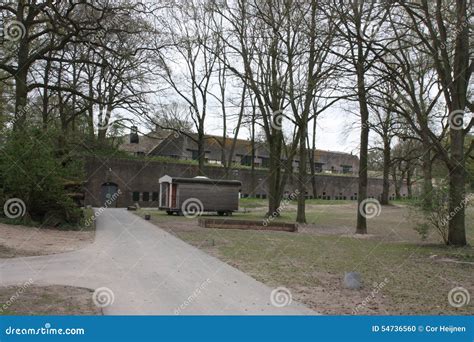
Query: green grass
[[311, 263], [257, 202]]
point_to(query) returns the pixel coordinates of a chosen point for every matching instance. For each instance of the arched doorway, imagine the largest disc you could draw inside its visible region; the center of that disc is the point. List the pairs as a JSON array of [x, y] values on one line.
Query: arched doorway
[[109, 194]]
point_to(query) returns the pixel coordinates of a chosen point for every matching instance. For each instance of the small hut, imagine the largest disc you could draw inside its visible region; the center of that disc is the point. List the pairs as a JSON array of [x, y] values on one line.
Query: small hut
[[198, 195]]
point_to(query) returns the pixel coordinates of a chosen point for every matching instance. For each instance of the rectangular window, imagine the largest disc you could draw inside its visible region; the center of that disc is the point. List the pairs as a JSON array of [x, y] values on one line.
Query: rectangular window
[[194, 154], [146, 197], [155, 196], [246, 160], [135, 196], [318, 167], [265, 161], [346, 168]]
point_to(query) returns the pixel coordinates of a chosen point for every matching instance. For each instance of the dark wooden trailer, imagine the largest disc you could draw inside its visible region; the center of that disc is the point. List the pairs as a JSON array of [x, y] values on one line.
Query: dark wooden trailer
[[198, 194]]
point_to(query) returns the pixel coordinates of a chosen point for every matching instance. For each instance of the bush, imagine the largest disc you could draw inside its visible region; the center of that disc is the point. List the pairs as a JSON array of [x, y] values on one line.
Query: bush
[[435, 217], [33, 170]]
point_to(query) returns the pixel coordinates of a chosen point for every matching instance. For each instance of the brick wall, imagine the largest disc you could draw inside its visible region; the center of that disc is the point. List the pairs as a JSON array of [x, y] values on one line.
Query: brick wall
[[141, 176]]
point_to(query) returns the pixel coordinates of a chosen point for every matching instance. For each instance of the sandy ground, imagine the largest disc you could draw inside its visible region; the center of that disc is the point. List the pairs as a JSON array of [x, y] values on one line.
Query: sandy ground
[[32, 299], [18, 241]]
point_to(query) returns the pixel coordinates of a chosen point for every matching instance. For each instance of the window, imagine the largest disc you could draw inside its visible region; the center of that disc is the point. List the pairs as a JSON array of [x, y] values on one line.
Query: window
[[246, 160], [154, 196], [194, 154], [146, 197], [135, 196], [346, 168], [318, 167], [265, 161]]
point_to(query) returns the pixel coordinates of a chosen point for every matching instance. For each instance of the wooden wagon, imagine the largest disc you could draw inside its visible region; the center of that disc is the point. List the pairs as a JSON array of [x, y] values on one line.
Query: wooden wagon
[[193, 196]]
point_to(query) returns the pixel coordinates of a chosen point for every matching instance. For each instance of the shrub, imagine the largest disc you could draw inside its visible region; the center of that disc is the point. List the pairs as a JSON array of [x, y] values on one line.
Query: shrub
[[33, 170], [435, 217]]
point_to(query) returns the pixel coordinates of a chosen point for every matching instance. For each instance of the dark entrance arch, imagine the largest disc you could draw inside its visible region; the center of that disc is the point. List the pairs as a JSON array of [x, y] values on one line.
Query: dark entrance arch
[[109, 195]]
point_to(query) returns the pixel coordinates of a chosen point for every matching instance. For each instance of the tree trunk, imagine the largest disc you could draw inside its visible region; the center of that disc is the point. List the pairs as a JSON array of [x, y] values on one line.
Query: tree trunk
[[21, 79], [409, 187], [274, 180], [395, 182], [312, 160], [457, 203], [201, 154], [427, 179], [301, 215], [457, 174], [364, 142], [45, 114], [457, 186], [386, 172]]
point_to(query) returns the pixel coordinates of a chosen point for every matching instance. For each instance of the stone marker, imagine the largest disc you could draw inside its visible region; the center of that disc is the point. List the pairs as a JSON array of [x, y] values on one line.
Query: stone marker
[[352, 280]]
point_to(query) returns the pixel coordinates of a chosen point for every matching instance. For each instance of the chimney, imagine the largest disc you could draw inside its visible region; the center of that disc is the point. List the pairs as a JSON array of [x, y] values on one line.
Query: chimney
[[134, 135]]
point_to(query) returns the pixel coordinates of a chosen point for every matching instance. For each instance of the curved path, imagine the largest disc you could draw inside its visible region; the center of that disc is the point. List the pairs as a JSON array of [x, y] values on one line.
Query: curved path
[[149, 271]]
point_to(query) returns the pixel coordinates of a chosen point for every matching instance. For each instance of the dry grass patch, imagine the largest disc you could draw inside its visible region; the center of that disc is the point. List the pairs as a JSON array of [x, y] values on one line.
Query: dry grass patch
[[47, 300]]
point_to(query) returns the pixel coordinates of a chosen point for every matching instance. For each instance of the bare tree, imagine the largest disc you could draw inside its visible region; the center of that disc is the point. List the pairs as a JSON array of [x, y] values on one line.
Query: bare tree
[[188, 64], [357, 29]]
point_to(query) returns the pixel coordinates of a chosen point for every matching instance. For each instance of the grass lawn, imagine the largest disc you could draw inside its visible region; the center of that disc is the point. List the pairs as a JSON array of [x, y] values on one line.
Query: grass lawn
[[401, 274]]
